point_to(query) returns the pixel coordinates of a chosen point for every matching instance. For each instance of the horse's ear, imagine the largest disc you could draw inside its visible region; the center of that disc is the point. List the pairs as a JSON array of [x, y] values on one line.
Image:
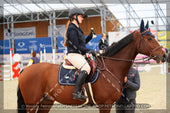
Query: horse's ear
[[147, 25], [142, 29]]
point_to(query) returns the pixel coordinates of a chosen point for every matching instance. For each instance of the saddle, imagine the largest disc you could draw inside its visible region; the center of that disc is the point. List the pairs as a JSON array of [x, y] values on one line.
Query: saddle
[[67, 65]]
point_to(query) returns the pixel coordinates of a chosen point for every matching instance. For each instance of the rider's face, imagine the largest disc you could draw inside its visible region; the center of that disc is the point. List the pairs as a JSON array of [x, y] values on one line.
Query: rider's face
[[80, 18]]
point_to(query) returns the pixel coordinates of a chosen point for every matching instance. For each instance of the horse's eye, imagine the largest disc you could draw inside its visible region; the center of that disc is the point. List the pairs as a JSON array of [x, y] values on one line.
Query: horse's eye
[[150, 39]]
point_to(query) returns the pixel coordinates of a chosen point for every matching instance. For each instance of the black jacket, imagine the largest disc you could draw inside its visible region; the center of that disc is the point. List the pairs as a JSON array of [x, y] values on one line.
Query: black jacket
[[103, 45], [132, 84], [76, 42]]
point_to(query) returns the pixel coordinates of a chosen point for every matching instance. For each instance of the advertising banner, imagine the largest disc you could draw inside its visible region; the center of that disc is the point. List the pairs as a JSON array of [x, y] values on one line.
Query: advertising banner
[[4, 46], [60, 42], [21, 33], [28, 45], [164, 39]]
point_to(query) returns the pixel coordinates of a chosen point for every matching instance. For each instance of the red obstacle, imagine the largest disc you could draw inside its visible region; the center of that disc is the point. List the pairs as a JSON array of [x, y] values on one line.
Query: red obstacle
[[15, 70]]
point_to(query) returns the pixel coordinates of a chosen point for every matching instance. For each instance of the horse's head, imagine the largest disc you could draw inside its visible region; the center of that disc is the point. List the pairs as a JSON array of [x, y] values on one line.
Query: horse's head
[[148, 45]]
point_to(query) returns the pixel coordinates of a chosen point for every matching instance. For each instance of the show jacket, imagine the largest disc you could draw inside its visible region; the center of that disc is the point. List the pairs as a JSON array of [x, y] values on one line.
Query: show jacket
[[103, 45], [76, 42]]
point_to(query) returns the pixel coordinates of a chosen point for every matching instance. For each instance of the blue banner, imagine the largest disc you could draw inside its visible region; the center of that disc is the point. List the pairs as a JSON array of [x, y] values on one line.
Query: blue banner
[[4, 47], [26, 45], [60, 42]]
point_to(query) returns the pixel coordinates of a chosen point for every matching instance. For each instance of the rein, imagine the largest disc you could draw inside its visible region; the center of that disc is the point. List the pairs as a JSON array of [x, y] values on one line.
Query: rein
[[119, 59], [147, 59], [106, 69], [127, 60]]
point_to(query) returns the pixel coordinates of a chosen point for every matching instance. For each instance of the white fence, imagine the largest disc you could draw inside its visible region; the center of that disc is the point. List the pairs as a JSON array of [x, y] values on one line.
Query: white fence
[[7, 61], [5, 72]]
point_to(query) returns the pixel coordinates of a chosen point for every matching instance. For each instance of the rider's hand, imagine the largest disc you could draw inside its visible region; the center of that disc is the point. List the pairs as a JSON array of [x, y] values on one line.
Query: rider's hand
[[125, 79], [93, 33], [92, 52], [92, 30]]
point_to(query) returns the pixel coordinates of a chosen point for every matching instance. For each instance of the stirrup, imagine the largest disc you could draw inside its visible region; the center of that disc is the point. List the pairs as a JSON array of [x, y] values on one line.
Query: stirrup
[[78, 95]]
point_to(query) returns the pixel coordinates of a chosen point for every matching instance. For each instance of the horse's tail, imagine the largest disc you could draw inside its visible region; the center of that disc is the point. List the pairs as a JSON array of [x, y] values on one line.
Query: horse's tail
[[20, 102]]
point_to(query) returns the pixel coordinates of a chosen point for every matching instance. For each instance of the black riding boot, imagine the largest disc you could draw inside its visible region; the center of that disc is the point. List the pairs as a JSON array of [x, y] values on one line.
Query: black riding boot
[[80, 80]]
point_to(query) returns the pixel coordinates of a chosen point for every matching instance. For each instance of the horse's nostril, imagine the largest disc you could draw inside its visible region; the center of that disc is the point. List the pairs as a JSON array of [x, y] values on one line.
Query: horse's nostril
[[164, 56]]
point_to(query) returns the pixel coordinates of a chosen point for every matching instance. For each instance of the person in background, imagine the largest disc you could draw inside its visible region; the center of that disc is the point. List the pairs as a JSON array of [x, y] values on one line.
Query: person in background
[[103, 43], [34, 59], [127, 102]]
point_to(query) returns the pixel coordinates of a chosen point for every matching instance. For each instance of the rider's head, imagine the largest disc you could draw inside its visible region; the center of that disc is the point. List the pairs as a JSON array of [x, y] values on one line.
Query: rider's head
[[33, 54], [76, 14]]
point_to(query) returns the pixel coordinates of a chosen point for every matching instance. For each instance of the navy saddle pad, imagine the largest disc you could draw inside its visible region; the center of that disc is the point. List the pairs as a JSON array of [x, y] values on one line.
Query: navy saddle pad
[[66, 76]]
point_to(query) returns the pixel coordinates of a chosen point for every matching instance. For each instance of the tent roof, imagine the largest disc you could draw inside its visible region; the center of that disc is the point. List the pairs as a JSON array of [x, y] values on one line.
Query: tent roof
[[127, 12]]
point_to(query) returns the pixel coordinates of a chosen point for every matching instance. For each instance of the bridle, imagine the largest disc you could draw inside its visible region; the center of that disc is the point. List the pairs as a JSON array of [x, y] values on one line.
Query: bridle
[[128, 60], [146, 45]]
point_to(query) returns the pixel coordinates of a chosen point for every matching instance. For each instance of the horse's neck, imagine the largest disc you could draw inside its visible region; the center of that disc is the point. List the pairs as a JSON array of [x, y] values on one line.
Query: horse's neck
[[126, 57]]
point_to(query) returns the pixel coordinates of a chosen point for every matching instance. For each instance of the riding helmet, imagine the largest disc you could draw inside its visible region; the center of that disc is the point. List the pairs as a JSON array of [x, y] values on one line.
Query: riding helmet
[[76, 11]]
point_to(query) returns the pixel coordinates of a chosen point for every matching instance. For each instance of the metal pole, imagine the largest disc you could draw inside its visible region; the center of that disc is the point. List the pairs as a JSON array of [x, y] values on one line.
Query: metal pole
[[128, 18], [11, 72], [51, 31], [54, 29], [12, 33], [9, 33], [54, 37], [156, 23], [53, 55], [103, 19], [41, 56], [45, 55]]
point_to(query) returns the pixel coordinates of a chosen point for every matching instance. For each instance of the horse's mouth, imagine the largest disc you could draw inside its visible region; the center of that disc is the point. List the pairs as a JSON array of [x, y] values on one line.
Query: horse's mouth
[[159, 58]]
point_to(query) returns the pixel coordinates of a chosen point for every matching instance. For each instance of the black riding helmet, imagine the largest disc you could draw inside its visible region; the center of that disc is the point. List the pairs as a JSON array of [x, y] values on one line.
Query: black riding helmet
[[76, 11]]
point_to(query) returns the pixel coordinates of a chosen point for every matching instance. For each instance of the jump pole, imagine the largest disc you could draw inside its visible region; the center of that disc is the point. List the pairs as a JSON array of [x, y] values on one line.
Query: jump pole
[[11, 73], [45, 58]]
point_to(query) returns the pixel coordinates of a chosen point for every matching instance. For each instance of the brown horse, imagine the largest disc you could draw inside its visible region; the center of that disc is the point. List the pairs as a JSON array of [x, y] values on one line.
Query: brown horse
[[39, 87]]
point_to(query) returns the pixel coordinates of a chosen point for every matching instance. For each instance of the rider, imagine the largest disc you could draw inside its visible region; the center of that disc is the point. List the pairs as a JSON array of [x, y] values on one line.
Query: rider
[[75, 43]]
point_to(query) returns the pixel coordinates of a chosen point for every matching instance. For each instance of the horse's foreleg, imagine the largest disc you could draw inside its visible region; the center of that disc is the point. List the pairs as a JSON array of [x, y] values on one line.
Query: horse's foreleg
[[105, 108], [45, 106], [31, 109]]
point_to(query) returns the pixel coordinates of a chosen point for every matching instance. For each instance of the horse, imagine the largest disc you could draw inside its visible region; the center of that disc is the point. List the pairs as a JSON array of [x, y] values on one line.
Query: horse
[[38, 86]]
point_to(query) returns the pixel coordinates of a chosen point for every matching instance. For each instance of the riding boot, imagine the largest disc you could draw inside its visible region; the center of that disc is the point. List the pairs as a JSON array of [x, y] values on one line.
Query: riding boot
[[80, 80]]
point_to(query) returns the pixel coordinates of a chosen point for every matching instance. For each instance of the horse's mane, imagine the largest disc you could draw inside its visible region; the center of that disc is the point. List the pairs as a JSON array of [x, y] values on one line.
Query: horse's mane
[[115, 47]]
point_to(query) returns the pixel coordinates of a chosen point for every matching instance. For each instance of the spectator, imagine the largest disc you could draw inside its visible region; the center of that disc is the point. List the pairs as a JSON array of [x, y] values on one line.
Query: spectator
[[127, 102], [103, 43], [34, 59]]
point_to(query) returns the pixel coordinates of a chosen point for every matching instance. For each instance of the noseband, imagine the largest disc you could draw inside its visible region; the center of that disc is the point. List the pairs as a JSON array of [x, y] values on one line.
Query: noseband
[[146, 45]]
